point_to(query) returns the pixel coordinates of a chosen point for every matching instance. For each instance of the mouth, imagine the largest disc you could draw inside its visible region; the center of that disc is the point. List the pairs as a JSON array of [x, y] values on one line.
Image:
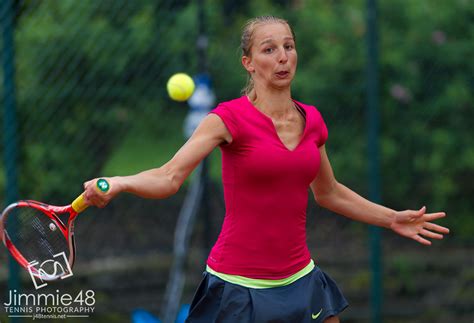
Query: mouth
[[282, 74]]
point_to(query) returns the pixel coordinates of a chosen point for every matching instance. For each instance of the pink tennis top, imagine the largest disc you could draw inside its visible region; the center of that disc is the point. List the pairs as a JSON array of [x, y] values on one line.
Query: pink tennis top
[[266, 193]]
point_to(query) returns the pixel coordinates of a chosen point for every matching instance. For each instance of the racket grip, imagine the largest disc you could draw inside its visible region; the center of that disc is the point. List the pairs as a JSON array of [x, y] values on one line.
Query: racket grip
[[79, 204]]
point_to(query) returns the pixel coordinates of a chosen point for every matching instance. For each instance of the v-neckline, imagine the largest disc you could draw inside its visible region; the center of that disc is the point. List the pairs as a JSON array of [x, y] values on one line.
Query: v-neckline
[[275, 132]]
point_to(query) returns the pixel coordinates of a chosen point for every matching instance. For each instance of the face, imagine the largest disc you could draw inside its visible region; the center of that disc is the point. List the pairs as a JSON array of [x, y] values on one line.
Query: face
[[273, 58]]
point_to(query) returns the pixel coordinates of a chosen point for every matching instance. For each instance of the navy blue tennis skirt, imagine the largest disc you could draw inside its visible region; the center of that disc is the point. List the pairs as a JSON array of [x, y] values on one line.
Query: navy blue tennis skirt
[[312, 298]]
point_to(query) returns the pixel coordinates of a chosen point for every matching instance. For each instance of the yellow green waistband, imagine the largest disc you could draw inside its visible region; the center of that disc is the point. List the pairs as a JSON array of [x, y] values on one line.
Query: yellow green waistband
[[262, 283]]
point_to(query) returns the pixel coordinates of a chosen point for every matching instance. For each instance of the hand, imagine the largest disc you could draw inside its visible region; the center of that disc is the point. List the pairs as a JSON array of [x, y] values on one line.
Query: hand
[[417, 225], [95, 197]]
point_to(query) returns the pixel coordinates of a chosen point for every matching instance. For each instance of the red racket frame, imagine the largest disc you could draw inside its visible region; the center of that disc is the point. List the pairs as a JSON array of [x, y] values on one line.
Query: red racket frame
[[53, 213]]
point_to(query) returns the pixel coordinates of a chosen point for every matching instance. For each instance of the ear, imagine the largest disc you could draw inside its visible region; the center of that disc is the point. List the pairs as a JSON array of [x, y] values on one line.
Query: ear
[[247, 63]]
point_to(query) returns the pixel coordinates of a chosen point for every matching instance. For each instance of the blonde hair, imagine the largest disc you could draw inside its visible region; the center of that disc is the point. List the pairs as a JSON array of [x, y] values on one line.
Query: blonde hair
[[247, 39]]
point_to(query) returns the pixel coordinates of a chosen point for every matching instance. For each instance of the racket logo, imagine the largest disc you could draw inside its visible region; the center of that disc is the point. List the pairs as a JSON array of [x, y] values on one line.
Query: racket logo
[[49, 270]]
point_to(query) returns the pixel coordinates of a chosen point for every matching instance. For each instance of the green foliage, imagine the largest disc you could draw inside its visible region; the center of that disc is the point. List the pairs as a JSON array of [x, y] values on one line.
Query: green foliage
[[360, 280], [426, 82], [426, 104], [403, 271], [84, 71], [91, 81]]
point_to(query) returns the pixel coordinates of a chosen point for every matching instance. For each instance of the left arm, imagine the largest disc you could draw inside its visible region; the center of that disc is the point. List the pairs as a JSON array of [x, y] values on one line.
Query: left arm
[[338, 198]]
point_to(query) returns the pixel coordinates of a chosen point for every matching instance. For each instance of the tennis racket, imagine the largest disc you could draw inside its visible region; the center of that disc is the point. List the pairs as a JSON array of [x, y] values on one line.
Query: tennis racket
[[38, 239]]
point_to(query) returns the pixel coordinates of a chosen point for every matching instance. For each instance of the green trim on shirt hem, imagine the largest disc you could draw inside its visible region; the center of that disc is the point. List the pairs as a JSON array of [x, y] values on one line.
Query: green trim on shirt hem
[[262, 283]]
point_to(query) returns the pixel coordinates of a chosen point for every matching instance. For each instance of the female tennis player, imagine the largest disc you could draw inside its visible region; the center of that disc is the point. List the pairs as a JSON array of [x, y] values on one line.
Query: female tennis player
[[273, 150]]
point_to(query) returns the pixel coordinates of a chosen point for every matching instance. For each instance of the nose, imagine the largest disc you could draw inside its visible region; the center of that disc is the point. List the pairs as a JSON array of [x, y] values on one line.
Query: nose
[[283, 56]]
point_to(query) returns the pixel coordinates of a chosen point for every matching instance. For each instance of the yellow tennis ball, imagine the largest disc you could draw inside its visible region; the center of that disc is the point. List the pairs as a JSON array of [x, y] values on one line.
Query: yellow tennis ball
[[180, 87]]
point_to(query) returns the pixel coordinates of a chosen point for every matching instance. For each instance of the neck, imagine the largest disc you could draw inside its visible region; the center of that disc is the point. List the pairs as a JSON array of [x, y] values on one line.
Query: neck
[[274, 103]]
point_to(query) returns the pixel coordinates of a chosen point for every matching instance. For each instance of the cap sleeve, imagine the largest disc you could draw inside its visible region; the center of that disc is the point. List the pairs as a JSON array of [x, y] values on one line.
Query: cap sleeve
[[227, 115], [322, 129]]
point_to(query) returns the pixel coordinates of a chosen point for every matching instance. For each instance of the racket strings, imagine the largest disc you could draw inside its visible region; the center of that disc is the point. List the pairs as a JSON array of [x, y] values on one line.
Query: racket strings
[[36, 237]]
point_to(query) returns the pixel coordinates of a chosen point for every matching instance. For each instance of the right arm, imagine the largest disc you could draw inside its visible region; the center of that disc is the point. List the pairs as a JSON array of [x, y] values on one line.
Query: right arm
[[162, 182]]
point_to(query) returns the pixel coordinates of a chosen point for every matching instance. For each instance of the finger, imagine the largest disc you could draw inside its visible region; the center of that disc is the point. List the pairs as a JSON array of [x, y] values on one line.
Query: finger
[[437, 228], [434, 216], [88, 183], [84, 195], [414, 215], [420, 212], [100, 203], [93, 197], [431, 235], [89, 194], [421, 240]]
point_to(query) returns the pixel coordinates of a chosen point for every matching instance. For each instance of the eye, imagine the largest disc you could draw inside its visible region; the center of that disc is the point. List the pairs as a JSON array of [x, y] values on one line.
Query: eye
[[289, 46], [268, 50]]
